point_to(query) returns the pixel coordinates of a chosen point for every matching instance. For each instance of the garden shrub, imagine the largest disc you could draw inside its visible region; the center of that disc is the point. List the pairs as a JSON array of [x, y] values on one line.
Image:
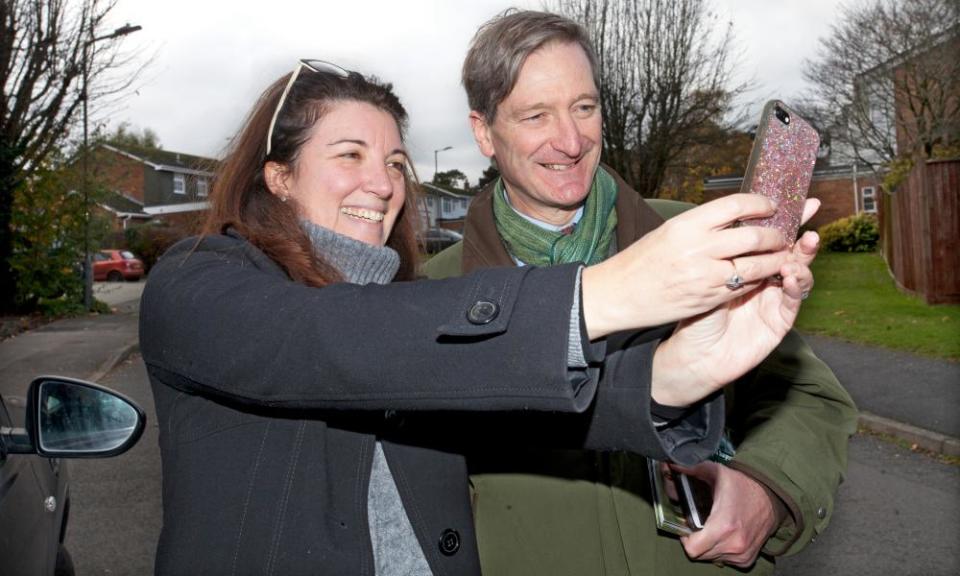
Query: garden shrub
[[858, 233], [149, 241]]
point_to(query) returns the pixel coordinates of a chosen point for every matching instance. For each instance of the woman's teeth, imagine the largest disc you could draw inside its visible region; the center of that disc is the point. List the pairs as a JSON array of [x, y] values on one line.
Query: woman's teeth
[[363, 213]]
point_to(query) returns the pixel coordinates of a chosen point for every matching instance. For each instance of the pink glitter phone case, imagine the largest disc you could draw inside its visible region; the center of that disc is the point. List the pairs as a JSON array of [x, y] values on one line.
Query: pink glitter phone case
[[781, 166]]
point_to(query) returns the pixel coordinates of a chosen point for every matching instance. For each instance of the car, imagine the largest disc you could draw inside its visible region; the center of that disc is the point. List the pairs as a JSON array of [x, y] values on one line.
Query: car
[[60, 418], [437, 239], [116, 265]]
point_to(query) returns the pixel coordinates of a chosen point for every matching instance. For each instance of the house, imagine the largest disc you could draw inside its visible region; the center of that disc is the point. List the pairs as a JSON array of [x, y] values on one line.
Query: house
[[842, 190], [443, 207], [152, 185]]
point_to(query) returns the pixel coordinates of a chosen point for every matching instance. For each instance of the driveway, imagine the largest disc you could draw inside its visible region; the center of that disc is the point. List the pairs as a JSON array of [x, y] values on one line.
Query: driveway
[[117, 293]]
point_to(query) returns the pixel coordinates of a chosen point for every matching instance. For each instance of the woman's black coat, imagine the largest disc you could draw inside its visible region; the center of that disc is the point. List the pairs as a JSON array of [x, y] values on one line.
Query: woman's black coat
[[270, 396]]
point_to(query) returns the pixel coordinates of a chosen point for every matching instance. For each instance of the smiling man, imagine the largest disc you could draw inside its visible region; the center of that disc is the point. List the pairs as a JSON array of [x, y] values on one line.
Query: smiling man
[[531, 83]]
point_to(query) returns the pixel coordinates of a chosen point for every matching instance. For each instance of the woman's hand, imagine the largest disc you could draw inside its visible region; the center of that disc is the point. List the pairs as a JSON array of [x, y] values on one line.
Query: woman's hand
[[681, 269], [710, 350]]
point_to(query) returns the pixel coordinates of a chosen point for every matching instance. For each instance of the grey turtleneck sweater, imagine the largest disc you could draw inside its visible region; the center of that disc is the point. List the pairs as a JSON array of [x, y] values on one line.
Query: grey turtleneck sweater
[[396, 551]]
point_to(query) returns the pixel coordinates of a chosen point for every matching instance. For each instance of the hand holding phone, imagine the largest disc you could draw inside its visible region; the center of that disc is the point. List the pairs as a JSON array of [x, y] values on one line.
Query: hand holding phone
[[681, 503], [781, 166]]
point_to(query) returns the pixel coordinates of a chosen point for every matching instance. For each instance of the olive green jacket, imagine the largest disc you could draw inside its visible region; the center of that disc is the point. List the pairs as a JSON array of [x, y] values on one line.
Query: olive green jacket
[[585, 513]]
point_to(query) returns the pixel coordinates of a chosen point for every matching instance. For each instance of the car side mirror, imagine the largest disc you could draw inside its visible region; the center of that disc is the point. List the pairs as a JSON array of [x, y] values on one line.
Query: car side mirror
[[68, 418]]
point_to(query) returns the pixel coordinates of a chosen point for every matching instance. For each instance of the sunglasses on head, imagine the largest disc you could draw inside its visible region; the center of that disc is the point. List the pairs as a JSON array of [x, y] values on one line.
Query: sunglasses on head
[[318, 66]]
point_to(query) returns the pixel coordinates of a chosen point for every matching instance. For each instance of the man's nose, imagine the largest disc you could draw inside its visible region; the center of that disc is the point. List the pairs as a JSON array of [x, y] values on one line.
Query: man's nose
[[567, 138]]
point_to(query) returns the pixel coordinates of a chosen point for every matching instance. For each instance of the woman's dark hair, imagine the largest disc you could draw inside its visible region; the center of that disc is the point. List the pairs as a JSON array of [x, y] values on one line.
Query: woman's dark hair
[[240, 198]]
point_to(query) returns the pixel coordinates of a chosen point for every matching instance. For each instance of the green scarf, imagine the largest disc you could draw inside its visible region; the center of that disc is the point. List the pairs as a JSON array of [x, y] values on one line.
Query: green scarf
[[588, 243]]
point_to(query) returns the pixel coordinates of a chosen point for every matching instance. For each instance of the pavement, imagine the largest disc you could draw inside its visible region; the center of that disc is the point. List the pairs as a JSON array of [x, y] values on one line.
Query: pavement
[[912, 398]]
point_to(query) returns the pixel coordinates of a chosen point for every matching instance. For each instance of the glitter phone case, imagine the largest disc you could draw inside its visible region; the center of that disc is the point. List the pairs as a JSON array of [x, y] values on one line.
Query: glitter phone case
[[781, 166]]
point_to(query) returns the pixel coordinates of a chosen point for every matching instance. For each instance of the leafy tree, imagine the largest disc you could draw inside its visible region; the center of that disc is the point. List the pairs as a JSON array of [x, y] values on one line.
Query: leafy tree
[[721, 152], [42, 47], [488, 176], [451, 179], [128, 138], [48, 234], [886, 80], [665, 76]]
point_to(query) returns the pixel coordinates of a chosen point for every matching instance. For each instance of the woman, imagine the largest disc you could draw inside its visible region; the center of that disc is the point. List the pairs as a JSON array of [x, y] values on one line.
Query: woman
[[296, 380]]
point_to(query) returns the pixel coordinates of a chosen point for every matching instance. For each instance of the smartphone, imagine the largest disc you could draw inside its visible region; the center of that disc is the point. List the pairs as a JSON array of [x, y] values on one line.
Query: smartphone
[[696, 497], [681, 503], [781, 166]]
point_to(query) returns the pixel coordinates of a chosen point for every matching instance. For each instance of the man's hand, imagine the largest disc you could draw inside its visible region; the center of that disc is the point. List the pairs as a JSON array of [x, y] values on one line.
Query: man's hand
[[744, 515]]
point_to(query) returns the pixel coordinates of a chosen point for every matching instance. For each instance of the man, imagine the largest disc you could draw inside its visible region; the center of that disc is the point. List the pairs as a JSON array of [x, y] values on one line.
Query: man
[[531, 82]]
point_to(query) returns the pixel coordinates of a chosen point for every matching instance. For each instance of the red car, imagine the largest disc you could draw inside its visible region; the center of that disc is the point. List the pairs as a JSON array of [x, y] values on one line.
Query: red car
[[116, 265]]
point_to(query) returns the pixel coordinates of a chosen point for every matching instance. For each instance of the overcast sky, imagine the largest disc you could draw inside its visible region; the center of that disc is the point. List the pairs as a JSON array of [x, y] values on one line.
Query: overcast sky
[[212, 59]]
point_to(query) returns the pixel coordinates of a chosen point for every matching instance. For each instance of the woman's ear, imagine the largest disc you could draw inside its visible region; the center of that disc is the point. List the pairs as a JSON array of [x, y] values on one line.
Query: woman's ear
[[275, 175]]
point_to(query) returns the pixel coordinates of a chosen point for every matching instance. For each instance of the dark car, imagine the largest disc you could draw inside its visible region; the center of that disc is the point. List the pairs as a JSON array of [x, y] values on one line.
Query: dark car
[[116, 265], [60, 418], [437, 239]]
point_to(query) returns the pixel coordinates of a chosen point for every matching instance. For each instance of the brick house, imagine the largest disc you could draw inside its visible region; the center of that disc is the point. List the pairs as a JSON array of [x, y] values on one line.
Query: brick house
[[842, 190], [153, 186]]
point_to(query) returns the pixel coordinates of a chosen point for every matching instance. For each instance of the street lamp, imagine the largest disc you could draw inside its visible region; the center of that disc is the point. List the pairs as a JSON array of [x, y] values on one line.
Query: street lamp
[[87, 264], [435, 152]]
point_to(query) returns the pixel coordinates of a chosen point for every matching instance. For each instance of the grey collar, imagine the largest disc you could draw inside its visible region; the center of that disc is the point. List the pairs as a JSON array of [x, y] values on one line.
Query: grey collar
[[359, 262]]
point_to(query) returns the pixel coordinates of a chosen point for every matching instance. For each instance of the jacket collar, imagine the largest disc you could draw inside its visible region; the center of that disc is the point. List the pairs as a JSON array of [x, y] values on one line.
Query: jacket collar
[[482, 247]]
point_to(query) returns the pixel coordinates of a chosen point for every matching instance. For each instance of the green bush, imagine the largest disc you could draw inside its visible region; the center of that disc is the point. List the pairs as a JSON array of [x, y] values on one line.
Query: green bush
[[858, 233], [47, 224], [149, 241]]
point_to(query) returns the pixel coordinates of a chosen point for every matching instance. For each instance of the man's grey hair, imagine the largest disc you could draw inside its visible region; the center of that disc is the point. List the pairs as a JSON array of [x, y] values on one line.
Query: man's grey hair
[[502, 45]]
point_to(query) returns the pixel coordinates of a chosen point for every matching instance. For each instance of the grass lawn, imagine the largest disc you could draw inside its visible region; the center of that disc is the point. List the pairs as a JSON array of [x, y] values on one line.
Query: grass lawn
[[855, 299]]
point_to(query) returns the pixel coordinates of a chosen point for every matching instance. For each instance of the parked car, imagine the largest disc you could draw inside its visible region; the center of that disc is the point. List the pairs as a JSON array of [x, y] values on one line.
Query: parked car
[[116, 265], [60, 418], [437, 239]]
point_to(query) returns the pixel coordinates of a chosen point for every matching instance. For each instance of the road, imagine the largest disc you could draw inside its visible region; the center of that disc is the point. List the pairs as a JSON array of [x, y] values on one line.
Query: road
[[115, 514], [898, 512]]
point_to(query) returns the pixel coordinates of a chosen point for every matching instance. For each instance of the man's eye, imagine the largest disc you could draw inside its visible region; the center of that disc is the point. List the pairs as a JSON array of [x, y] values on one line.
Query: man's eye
[[534, 117], [350, 155], [587, 109]]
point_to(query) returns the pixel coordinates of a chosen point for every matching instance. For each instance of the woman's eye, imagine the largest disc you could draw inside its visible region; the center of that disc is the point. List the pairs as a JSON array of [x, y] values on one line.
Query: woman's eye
[[350, 155], [398, 165]]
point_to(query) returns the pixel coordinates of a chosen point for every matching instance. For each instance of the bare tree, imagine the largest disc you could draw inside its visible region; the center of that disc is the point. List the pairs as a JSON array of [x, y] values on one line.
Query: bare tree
[[42, 49], [887, 79], [665, 74]]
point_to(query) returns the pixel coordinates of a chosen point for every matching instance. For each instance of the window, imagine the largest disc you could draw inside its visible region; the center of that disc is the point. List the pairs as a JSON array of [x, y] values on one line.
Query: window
[[202, 188], [446, 205], [869, 200], [179, 184]]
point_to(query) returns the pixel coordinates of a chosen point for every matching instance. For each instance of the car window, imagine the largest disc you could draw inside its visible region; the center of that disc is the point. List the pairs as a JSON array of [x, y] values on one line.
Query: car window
[[127, 255], [100, 256]]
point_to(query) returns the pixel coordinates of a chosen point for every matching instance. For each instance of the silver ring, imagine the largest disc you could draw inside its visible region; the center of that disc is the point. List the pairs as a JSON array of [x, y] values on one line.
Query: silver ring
[[805, 294], [735, 281]]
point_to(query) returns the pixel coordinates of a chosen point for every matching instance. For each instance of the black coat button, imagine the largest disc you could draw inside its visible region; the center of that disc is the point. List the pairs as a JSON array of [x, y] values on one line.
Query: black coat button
[[482, 312], [449, 542]]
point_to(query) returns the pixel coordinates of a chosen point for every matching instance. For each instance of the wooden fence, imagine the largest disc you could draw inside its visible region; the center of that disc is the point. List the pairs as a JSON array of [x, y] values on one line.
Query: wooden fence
[[920, 230]]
